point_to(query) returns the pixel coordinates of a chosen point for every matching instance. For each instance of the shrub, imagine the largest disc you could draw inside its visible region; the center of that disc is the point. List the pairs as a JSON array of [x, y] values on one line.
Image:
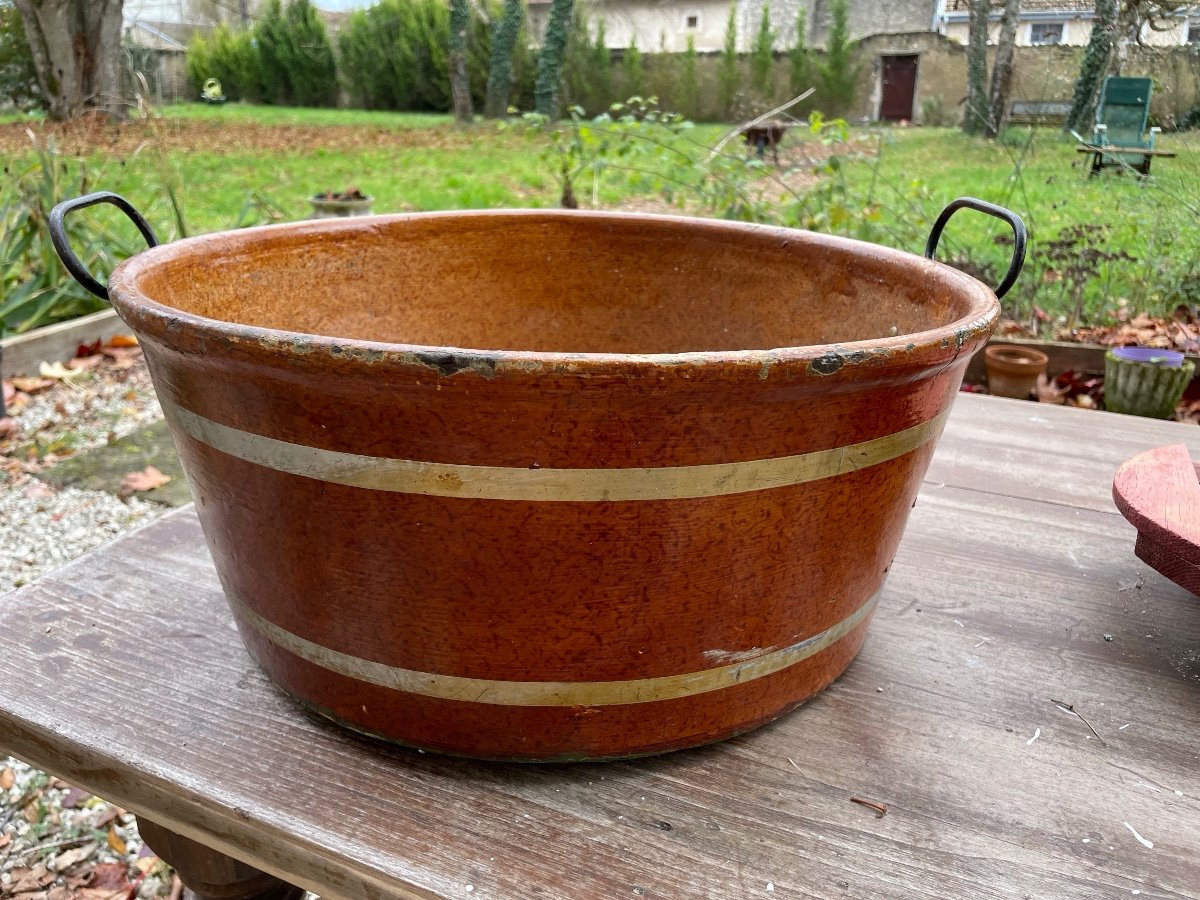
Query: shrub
[[689, 83], [633, 71], [230, 57]]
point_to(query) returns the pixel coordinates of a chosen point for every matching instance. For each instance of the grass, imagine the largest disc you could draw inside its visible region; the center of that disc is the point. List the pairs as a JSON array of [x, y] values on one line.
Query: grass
[[1151, 225], [238, 164]]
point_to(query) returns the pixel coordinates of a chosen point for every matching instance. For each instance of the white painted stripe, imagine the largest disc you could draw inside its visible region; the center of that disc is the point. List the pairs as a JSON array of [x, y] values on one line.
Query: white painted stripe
[[551, 693], [510, 483]]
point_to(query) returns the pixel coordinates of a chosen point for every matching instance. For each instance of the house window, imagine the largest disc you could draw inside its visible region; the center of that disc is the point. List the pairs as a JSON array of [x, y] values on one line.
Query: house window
[[692, 21], [1041, 33], [1193, 34]]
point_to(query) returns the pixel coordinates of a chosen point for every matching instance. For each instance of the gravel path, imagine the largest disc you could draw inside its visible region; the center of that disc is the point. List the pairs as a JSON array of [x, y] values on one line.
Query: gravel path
[[56, 842]]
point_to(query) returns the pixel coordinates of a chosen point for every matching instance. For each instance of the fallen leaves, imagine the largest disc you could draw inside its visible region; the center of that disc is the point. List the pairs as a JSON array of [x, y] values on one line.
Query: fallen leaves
[[7, 778], [147, 479], [29, 385], [58, 372], [74, 856]]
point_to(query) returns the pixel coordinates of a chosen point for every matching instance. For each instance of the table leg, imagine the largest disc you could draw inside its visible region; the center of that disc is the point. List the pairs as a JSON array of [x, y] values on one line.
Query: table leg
[[210, 875]]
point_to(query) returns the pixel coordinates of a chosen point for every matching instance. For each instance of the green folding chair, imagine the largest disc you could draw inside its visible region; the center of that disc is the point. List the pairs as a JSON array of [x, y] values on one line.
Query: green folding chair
[[1121, 119]]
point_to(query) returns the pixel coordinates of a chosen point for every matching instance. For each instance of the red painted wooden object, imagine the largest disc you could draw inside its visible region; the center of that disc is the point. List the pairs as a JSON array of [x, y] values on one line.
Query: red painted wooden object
[[551, 485], [1159, 493]]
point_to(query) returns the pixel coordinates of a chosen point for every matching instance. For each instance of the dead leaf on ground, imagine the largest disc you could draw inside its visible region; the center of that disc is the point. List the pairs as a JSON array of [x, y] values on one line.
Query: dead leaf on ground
[[109, 876], [1049, 392], [75, 797], [7, 778], [120, 341], [73, 857], [84, 363], [32, 385], [10, 391], [5, 840], [9, 428], [115, 841], [146, 480], [58, 372]]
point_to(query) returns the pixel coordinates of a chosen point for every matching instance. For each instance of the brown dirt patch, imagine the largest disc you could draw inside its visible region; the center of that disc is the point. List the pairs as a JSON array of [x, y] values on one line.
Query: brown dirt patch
[[90, 136]]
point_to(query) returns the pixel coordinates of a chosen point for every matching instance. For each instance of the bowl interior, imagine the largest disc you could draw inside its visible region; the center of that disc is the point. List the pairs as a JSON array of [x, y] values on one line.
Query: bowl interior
[[554, 282]]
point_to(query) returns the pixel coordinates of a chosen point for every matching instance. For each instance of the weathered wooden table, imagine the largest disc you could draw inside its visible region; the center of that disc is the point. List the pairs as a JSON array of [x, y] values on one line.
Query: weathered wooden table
[[1016, 586]]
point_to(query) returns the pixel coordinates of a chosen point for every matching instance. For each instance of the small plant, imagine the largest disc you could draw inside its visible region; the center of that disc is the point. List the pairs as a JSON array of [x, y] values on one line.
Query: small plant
[[34, 288], [1072, 260]]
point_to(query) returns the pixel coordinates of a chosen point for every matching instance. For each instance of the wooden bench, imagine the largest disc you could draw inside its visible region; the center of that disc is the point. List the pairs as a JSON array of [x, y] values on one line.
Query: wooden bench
[[1039, 112], [1015, 621]]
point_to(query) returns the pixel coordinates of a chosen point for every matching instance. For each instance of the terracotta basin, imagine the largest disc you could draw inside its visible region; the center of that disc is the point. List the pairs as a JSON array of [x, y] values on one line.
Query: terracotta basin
[[551, 485]]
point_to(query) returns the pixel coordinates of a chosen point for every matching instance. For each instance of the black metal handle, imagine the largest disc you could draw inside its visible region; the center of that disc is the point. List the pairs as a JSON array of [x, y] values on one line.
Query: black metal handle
[[1014, 221], [62, 245]]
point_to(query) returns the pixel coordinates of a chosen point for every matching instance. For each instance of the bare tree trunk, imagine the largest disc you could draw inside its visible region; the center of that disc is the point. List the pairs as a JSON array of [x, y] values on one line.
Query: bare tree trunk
[[1002, 70], [460, 85], [76, 47], [975, 115]]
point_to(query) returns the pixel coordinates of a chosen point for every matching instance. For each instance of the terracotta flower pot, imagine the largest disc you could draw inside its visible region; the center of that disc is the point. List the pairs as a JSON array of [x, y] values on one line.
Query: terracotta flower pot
[[551, 485], [1013, 371]]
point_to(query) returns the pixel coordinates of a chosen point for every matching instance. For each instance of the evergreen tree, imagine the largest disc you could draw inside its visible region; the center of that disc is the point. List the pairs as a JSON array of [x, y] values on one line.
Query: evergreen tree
[[728, 79], [271, 36], [762, 55], [633, 70], [689, 83], [838, 75], [500, 74], [308, 55], [601, 69], [801, 73], [18, 77]]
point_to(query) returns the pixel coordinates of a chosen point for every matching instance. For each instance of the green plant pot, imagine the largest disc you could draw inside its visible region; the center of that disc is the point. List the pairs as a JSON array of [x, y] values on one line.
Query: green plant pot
[[1142, 388]]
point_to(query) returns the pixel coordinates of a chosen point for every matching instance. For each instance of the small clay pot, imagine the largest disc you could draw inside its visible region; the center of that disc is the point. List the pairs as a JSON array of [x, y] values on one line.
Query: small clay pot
[[1013, 371]]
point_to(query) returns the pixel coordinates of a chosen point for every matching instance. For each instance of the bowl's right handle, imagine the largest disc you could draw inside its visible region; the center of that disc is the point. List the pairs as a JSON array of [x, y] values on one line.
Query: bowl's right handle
[[1014, 221], [62, 244]]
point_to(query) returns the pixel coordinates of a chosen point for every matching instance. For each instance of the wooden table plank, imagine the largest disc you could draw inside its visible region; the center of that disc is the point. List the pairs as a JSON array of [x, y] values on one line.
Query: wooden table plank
[[1045, 452], [123, 673]]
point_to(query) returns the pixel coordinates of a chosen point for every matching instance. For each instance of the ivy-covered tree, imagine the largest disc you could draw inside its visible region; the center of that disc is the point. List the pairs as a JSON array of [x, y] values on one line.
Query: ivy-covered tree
[[762, 55], [504, 41], [550, 61], [975, 116], [1096, 60], [728, 78], [460, 83], [838, 74], [1002, 69]]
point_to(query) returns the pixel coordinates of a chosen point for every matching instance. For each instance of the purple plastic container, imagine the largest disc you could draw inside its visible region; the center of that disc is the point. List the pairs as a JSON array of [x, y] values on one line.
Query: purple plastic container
[[1167, 359]]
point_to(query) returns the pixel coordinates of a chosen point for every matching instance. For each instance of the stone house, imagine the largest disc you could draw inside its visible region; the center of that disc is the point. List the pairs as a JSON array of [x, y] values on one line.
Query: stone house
[[1066, 22], [667, 24]]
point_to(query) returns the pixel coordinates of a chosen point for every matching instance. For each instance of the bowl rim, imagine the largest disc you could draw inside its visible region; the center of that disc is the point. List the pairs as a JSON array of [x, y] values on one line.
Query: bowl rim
[[182, 330]]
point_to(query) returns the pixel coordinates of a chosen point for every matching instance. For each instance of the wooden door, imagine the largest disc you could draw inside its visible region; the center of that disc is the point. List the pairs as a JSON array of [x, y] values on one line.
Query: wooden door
[[899, 78]]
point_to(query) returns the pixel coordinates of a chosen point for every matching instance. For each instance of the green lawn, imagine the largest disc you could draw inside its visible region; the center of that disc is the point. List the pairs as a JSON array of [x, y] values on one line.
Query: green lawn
[[236, 164]]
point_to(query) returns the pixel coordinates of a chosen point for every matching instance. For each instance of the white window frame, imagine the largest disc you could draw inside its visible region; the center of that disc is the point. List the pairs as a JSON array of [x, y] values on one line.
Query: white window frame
[[1192, 27], [1062, 34]]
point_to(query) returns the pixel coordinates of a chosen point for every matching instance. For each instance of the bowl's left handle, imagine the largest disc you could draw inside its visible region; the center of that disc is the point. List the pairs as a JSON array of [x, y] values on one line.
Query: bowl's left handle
[[62, 245], [1006, 215]]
